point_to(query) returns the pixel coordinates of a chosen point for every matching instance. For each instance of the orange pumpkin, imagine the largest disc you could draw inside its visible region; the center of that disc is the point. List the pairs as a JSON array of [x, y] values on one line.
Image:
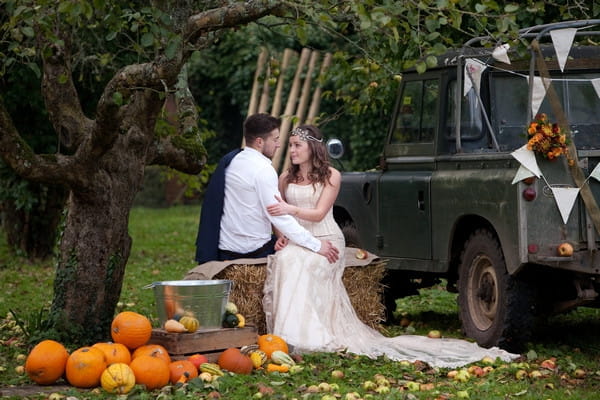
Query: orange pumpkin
[[151, 372], [233, 360], [269, 343], [153, 350], [114, 352], [178, 368], [85, 366], [131, 329], [46, 362]]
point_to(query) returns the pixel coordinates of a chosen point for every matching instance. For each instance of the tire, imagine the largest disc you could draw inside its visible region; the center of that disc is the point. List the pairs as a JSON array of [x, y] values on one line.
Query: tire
[[495, 308]]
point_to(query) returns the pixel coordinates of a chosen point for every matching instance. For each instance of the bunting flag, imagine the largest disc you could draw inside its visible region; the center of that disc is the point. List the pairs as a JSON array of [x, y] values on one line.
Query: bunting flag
[[522, 173], [539, 92], [565, 199], [596, 172], [500, 53], [562, 40], [473, 70], [596, 84], [527, 159]]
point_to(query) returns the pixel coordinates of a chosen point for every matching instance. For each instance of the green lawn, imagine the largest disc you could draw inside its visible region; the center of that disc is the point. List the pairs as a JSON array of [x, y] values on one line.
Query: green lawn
[[163, 249]]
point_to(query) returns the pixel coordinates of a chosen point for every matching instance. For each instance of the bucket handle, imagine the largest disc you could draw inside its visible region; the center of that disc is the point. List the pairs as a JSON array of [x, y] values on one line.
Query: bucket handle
[[149, 286]]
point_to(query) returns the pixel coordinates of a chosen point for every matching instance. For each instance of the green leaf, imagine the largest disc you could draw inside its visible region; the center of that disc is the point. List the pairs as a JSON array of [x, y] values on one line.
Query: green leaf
[[36, 70], [511, 8], [172, 47], [480, 8], [62, 78], [147, 39], [28, 31], [117, 98], [110, 36]]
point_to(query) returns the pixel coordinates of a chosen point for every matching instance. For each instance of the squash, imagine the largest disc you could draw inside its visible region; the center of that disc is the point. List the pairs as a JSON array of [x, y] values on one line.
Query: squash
[[175, 326], [279, 357], [182, 368], [191, 324], [117, 378], [283, 368], [234, 361], [211, 368], [230, 321], [269, 343], [258, 358], [231, 308], [131, 329], [249, 348], [241, 320], [46, 362], [85, 366]]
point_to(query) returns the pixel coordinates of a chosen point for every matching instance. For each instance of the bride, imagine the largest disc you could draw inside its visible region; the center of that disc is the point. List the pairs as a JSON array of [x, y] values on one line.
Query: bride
[[305, 301]]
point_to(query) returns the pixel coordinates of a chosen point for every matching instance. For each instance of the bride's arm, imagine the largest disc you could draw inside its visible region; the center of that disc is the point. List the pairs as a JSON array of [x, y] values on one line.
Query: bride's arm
[[328, 196]]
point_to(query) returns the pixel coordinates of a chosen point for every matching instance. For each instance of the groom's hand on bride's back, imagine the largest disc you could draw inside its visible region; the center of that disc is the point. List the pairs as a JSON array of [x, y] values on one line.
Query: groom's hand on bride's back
[[329, 251]]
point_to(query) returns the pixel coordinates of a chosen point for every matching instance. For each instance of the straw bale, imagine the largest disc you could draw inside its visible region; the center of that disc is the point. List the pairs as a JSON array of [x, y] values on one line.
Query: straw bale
[[363, 284]]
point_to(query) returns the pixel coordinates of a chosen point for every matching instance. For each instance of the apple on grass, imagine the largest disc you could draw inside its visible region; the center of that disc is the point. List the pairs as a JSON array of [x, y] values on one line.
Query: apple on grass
[[434, 334]]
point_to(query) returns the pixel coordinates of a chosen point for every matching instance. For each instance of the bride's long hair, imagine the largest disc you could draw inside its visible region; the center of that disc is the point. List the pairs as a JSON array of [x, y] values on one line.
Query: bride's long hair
[[320, 172]]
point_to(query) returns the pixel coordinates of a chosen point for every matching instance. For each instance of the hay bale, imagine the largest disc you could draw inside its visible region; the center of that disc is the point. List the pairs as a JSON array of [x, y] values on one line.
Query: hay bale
[[363, 285]]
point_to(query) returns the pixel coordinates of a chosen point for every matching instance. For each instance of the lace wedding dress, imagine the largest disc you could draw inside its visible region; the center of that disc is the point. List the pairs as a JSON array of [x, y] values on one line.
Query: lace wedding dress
[[306, 303]]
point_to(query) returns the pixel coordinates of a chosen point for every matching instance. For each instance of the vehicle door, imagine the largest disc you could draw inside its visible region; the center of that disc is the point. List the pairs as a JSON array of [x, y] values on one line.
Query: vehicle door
[[404, 188]]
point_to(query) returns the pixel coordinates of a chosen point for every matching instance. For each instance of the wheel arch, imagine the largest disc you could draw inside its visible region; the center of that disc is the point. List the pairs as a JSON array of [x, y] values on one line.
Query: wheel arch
[[462, 230]]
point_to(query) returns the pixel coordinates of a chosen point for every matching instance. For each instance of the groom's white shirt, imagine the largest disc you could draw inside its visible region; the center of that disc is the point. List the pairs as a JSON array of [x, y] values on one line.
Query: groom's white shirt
[[250, 186]]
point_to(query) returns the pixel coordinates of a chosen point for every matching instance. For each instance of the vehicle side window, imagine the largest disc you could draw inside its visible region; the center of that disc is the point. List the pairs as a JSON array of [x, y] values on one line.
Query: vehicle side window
[[417, 115], [471, 120]]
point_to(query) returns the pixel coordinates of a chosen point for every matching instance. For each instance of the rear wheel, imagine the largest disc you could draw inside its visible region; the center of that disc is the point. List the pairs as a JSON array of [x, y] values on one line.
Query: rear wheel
[[496, 309]]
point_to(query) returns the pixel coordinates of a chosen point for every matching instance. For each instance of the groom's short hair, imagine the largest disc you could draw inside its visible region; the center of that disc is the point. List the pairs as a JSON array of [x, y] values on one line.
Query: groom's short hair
[[259, 125]]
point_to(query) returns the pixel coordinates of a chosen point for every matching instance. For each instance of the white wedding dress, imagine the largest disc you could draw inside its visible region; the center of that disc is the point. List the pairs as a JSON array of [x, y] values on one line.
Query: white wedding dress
[[306, 303]]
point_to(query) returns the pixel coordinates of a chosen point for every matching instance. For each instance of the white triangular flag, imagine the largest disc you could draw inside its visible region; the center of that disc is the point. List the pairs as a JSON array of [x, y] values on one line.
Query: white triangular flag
[[500, 53], [539, 92], [596, 84], [565, 199], [596, 172], [562, 40], [473, 70], [522, 173], [527, 159]]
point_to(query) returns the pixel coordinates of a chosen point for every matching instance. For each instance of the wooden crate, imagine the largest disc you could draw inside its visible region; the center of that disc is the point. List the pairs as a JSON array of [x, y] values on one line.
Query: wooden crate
[[211, 343]]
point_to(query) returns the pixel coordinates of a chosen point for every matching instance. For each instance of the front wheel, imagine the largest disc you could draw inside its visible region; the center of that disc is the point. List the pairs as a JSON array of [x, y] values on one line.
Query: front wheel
[[495, 308]]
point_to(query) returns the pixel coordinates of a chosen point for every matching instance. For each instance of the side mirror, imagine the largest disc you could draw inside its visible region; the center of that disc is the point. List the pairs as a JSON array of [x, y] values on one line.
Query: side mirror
[[335, 148]]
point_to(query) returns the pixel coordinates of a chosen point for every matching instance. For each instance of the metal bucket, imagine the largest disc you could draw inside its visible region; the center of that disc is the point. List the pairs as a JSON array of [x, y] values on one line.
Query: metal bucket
[[204, 300]]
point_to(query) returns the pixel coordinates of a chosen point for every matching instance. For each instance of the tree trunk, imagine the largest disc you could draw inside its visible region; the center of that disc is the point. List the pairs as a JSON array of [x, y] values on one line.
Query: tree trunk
[[94, 249], [34, 232]]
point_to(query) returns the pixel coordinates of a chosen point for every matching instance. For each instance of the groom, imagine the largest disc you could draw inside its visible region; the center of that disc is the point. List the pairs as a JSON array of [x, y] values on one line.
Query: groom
[[234, 222]]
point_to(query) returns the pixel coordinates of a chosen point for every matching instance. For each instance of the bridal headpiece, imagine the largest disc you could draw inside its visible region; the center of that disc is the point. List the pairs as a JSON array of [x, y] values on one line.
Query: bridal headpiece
[[303, 134]]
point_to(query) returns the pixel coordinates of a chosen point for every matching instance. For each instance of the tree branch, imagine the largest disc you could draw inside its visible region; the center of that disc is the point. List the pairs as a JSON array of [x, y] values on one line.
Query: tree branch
[[228, 16], [50, 169], [61, 99]]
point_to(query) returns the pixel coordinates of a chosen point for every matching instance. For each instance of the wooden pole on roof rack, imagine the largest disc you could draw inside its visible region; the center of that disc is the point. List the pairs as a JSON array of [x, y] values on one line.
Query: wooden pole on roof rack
[[290, 106]]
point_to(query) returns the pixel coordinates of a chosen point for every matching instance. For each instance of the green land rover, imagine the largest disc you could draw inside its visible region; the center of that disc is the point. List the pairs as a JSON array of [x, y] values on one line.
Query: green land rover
[[452, 199]]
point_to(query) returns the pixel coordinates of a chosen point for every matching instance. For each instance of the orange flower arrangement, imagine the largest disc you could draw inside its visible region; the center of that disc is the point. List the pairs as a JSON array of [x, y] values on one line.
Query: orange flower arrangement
[[546, 139]]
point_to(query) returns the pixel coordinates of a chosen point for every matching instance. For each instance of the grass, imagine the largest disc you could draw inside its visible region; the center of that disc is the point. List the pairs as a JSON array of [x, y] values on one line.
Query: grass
[[163, 249]]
